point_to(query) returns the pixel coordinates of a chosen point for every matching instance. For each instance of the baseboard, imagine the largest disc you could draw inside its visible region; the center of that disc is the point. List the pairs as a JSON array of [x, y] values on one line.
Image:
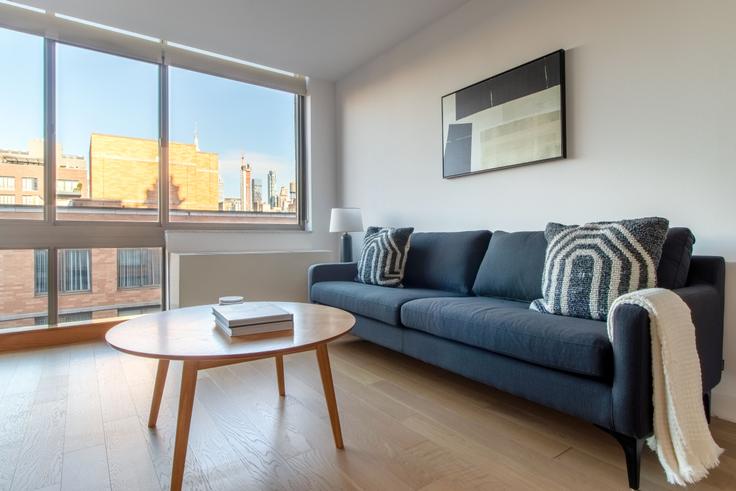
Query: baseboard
[[54, 336]]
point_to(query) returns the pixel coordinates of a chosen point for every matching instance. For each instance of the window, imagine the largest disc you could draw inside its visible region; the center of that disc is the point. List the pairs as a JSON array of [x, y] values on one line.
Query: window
[[32, 200], [22, 120], [138, 310], [41, 268], [73, 317], [74, 270], [108, 127], [232, 151], [139, 268], [226, 135], [118, 279], [7, 183], [30, 184], [66, 186]]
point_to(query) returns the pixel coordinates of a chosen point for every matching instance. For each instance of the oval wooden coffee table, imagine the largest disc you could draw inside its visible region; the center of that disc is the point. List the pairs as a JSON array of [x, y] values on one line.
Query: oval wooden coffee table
[[190, 335]]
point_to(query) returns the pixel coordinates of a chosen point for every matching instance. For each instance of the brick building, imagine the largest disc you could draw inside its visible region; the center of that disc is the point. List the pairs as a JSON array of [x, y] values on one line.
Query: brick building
[[93, 284], [22, 176], [126, 170]]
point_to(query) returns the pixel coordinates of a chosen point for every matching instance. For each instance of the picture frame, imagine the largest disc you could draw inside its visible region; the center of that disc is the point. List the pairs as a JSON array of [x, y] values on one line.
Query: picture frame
[[511, 119]]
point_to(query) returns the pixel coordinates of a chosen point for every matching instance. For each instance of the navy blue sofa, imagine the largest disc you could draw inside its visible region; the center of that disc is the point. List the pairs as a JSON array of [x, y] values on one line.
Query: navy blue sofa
[[465, 308]]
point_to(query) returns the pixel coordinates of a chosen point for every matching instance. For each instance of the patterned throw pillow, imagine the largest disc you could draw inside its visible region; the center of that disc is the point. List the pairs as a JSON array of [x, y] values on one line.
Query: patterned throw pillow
[[384, 256], [587, 267]]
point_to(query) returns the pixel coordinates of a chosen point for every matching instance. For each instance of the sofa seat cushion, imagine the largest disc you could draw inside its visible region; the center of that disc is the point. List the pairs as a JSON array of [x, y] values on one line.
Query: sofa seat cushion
[[376, 302], [509, 328]]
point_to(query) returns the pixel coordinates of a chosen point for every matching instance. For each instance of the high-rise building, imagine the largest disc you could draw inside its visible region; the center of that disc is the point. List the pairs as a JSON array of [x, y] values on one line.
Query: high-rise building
[[272, 198], [257, 187], [292, 191], [283, 199], [246, 194]]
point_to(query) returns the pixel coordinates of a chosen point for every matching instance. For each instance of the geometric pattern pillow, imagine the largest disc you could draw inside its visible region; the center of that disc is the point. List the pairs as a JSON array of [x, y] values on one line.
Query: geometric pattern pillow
[[588, 266], [383, 258]]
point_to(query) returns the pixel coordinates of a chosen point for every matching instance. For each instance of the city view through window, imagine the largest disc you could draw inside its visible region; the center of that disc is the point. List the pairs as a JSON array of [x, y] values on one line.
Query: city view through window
[[232, 158], [232, 145]]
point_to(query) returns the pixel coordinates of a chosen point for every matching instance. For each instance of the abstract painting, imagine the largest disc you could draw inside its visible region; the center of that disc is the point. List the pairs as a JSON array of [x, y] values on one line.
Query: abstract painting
[[514, 118]]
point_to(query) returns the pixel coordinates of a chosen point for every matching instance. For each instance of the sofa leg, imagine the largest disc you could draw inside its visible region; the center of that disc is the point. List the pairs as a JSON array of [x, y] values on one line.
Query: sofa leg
[[706, 405], [632, 449]]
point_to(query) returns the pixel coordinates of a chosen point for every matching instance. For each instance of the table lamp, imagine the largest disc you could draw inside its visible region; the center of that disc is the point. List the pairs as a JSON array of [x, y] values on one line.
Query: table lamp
[[346, 220]]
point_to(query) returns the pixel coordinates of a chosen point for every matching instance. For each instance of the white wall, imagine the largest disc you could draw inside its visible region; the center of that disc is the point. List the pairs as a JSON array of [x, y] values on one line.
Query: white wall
[[651, 131], [321, 172]]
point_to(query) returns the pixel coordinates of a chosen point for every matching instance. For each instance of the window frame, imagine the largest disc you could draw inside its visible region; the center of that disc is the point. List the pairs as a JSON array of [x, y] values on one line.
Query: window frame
[[52, 234], [163, 222]]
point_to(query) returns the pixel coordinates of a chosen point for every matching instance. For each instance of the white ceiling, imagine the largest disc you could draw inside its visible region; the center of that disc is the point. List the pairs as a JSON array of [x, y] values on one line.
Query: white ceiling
[[319, 38]]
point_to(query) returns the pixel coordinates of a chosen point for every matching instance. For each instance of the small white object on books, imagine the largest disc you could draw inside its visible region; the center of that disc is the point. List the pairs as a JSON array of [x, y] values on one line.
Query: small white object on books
[[230, 300]]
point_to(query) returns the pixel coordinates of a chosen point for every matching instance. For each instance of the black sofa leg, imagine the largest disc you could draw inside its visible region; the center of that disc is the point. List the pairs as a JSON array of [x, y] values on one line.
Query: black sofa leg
[[632, 449], [706, 405]]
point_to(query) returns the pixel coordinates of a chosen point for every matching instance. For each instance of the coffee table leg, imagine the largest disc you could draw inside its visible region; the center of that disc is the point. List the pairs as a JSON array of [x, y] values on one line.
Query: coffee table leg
[[280, 374], [186, 401], [323, 360], [158, 391]]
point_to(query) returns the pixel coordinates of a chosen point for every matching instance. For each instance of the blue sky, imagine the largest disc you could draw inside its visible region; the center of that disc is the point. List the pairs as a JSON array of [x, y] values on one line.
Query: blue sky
[[107, 94]]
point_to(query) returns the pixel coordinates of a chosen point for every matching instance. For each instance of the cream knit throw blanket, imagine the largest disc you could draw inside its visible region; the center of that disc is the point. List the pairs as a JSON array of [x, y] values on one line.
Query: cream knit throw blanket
[[681, 438]]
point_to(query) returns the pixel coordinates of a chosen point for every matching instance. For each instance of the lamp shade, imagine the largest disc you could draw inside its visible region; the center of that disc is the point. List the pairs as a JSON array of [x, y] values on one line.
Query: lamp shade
[[346, 220]]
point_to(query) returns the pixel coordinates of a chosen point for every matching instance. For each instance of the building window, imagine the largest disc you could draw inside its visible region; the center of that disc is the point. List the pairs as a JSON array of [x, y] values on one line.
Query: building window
[[146, 309], [7, 183], [7, 199], [75, 317], [139, 268], [68, 186], [74, 271], [30, 184], [70, 317], [32, 200], [40, 269]]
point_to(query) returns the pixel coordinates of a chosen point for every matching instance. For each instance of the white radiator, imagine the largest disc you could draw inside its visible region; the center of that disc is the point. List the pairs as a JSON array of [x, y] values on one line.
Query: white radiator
[[196, 279]]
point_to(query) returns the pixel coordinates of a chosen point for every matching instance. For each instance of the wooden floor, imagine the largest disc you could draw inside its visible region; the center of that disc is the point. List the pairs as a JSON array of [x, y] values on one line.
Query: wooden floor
[[75, 417]]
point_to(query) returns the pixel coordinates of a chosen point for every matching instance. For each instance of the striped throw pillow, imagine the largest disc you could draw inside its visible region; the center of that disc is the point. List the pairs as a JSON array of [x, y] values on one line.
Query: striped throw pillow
[[588, 266], [383, 258]]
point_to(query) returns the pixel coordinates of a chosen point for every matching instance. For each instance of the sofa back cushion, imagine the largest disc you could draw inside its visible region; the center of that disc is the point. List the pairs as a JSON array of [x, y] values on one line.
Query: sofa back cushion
[[512, 267], [445, 260], [674, 264]]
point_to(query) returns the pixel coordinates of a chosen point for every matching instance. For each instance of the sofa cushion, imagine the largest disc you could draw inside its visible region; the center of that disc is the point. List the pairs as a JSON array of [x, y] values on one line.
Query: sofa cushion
[[376, 302], [445, 260], [509, 328], [674, 264], [512, 267]]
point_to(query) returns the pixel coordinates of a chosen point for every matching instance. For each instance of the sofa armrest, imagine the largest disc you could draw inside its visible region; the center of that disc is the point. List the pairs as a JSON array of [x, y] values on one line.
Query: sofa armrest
[[632, 379], [632, 372], [330, 272]]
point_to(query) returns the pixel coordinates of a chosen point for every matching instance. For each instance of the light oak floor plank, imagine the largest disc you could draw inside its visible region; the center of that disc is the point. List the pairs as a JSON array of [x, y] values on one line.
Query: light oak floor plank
[[75, 417]]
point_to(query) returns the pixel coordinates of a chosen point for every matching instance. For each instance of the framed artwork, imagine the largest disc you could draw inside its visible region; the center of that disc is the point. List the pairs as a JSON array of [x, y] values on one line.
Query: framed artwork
[[514, 118]]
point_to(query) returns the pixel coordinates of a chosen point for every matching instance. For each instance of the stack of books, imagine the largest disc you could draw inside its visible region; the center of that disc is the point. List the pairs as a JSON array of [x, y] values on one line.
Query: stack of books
[[252, 318]]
